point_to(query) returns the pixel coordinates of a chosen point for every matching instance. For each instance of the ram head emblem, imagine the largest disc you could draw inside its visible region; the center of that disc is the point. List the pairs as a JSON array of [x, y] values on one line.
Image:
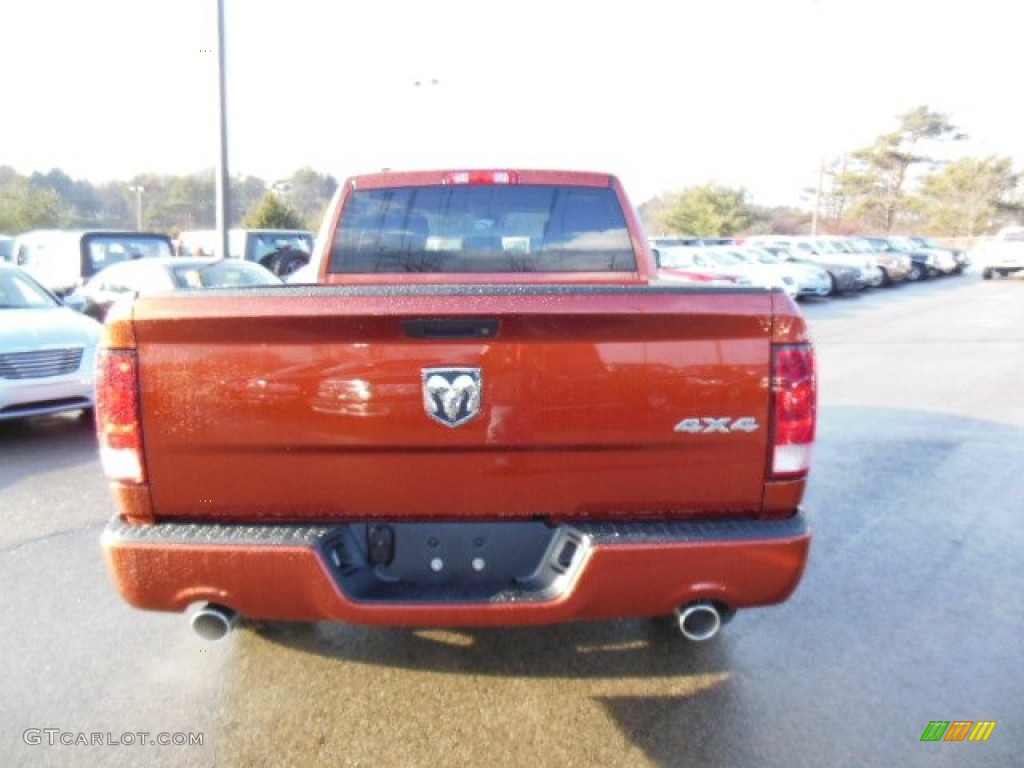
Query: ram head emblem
[[452, 395]]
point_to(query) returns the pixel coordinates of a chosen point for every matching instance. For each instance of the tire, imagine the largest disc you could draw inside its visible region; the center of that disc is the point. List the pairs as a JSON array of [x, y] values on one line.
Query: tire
[[986, 274], [916, 272], [833, 285], [286, 262]]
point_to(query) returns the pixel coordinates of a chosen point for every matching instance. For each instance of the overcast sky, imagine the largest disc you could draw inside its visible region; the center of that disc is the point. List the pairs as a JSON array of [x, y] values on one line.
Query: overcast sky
[[664, 94]]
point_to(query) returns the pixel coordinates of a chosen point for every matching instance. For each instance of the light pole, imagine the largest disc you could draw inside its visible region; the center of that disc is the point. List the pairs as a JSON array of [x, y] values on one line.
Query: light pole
[[425, 105], [223, 188], [817, 196], [138, 190]]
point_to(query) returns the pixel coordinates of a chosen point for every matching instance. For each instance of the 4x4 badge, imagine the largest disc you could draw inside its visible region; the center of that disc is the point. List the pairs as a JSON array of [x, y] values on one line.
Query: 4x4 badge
[[452, 395], [707, 425]]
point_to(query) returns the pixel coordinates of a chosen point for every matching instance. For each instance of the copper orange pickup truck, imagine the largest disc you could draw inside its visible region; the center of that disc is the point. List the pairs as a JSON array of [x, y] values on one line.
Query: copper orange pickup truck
[[487, 410]]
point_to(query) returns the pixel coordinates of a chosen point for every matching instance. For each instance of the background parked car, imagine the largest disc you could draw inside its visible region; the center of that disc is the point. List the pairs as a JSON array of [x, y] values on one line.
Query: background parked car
[[687, 241], [923, 264], [823, 251], [64, 259], [953, 264], [942, 261], [842, 276], [810, 279], [282, 251], [677, 263], [46, 350], [895, 266], [168, 274], [1002, 255], [6, 248], [722, 257], [869, 273]]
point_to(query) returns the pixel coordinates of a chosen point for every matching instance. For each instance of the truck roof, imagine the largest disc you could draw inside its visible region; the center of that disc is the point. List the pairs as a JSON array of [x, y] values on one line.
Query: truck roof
[[386, 179]]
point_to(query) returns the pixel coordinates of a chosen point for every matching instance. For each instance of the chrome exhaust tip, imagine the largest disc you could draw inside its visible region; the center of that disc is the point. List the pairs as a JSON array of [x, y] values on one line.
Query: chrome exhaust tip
[[212, 622], [699, 621]]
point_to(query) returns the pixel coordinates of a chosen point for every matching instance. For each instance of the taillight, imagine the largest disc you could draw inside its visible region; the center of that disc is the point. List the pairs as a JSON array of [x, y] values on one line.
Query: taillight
[[795, 396], [481, 177], [117, 415]]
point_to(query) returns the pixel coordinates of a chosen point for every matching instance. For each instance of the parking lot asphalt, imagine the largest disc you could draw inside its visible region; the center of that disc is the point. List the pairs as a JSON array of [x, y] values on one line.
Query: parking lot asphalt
[[911, 610]]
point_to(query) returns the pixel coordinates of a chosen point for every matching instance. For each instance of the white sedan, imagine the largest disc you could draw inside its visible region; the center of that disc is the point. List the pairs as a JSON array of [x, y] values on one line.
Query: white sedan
[[46, 350], [722, 257], [810, 279]]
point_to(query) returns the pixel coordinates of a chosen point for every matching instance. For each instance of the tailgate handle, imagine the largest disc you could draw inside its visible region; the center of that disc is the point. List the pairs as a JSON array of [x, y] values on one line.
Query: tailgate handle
[[451, 328]]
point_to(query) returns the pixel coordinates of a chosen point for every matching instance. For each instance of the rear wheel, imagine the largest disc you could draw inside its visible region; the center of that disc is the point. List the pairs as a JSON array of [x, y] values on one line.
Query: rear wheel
[[986, 274], [916, 271]]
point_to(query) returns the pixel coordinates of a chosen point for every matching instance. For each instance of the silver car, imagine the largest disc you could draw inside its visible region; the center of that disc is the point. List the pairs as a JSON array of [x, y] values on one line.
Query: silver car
[[810, 279], [46, 350]]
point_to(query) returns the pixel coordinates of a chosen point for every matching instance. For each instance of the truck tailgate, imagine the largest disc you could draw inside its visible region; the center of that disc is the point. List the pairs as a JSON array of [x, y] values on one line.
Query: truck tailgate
[[347, 403]]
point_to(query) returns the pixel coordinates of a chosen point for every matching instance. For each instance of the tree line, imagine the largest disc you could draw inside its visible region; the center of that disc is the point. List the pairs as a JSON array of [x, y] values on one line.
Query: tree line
[[902, 181], [164, 203]]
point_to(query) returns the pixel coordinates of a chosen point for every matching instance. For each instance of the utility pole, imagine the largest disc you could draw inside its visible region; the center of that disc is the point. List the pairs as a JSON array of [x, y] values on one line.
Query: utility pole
[[138, 190], [426, 106], [817, 197], [223, 179]]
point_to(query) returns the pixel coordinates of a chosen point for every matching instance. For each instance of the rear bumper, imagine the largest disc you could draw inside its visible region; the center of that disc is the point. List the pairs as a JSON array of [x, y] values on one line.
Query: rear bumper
[[579, 571], [815, 286], [33, 397]]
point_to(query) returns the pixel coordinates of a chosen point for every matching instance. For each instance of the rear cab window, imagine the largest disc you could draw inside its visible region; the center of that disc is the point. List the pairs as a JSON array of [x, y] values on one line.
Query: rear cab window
[[102, 250], [230, 273], [263, 244], [482, 229]]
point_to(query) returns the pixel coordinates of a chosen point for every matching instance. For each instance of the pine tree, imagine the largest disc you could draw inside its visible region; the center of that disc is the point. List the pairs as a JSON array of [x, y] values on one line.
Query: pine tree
[[271, 213]]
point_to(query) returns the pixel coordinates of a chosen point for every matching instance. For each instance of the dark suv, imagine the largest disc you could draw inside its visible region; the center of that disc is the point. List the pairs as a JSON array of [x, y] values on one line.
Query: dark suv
[[282, 251]]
